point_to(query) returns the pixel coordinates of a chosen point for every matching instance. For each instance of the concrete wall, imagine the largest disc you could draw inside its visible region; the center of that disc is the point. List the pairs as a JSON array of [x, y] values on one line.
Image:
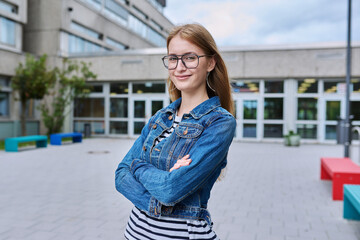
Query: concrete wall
[[317, 61]]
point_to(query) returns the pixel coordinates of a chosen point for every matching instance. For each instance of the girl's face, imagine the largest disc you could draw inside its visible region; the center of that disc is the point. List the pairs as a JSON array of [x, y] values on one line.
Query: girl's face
[[189, 80]]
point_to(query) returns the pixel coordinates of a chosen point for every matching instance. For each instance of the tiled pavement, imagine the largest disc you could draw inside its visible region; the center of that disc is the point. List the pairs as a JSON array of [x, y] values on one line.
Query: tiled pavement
[[269, 192]]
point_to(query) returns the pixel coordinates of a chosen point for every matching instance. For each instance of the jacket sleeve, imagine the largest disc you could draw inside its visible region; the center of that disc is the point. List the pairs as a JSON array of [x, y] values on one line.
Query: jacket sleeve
[[207, 155], [125, 182]]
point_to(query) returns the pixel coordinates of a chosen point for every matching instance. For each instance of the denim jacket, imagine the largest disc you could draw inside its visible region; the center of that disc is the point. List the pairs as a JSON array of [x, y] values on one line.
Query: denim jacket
[[143, 176]]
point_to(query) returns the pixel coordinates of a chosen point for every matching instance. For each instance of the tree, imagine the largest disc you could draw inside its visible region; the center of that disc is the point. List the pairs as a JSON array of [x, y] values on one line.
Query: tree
[[71, 84], [31, 81]]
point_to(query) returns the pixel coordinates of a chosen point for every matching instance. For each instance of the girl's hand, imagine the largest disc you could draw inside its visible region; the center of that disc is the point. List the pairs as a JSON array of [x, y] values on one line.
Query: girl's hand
[[185, 161]]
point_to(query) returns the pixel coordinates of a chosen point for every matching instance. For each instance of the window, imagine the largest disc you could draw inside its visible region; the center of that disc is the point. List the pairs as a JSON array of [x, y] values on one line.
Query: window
[[95, 3], [119, 107], [332, 110], [140, 13], [355, 85], [11, 8], [80, 45], [273, 108], [85, 30], [307, 109], [116, 44], [119, 127], [334, 86], [249, 131], [7, 31], [307, 131], [244, 86], [308, 85], [4, 104], [4, 97], [119, 88], [250, 107], [156, 38], [274, 86], [117, 11], [95, 88], [148, 87], [273, 131], [89, 107], [355, 110], [137, 26]]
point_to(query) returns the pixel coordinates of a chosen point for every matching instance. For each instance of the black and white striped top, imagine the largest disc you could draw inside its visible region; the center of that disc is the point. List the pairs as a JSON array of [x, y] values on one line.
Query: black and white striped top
[[168, 132], [142, 226]]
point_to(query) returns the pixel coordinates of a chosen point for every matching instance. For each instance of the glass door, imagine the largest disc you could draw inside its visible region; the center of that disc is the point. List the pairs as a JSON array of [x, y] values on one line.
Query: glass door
[[247, 115], [142, 110], [332, 113]]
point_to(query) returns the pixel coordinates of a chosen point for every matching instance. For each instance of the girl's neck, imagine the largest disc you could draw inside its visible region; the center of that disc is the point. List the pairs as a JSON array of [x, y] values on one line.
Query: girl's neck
[[190, 101]]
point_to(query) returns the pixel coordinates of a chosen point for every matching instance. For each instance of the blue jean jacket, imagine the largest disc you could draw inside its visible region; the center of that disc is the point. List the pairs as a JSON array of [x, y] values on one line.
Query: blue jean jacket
[[143, 175]]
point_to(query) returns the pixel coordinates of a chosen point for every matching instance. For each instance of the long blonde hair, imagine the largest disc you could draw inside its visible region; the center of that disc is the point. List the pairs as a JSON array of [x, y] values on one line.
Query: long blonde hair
[[218, 78]]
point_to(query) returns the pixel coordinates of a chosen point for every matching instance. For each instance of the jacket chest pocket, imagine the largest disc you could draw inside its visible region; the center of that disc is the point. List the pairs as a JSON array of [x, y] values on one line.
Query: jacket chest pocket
[[187, 135], [188, 131]]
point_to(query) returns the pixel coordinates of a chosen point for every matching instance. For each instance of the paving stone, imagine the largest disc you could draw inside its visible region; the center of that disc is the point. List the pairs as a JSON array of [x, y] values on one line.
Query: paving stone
[[269, 192]]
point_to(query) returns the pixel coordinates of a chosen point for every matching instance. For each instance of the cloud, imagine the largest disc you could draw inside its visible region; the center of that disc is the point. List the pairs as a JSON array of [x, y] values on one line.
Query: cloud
[[235, 22]]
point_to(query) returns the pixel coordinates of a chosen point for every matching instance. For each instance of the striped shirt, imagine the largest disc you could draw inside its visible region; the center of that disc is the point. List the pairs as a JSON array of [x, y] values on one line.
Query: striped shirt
[[142, 226], [168, 132]]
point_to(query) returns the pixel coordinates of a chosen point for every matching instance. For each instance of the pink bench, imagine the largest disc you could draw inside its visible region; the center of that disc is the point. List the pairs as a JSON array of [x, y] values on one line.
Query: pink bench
[[341, 171]]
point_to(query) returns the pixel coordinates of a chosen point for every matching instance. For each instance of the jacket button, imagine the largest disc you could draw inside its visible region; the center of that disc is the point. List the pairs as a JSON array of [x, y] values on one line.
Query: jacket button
[[186, 131], [170, 117], [144, 148], [154, 127]]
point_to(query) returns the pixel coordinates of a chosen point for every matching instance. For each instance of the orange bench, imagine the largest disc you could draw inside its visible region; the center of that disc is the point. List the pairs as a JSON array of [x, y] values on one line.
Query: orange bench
[[341, 171]]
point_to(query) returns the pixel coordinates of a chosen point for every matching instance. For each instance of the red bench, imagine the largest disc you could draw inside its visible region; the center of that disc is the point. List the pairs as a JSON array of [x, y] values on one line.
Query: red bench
[[341, 171]]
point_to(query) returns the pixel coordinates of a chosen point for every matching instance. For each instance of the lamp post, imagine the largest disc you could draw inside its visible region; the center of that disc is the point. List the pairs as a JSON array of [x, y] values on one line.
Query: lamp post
[[348, 75]]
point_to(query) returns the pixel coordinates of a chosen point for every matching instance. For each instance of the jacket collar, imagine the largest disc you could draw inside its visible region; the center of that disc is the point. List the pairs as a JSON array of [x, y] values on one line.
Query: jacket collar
[[200, 110]]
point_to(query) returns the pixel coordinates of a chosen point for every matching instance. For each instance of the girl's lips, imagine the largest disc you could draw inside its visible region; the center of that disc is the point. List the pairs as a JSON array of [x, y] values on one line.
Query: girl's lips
[[182, 77]]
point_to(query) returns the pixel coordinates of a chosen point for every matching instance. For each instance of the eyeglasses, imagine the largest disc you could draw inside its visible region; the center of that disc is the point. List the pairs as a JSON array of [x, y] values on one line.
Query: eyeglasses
[[190, 60]]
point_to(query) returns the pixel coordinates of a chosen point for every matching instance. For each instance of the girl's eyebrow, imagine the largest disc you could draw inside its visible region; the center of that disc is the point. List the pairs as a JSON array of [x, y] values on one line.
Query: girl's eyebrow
[[181, 54]]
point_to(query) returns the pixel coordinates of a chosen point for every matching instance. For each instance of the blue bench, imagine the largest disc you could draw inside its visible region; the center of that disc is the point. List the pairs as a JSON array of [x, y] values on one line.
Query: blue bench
[[11, 144], [55, 139], [352, 202]]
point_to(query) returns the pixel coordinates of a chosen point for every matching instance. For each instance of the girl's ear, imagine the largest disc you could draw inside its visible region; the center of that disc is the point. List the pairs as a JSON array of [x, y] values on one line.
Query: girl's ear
[[211, 64]]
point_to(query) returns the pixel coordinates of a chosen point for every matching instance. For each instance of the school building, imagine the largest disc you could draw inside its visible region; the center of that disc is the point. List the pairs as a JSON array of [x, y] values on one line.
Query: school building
[[276, 89]]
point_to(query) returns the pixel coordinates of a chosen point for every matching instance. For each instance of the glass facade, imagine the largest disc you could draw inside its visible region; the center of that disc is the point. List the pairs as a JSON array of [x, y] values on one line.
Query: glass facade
[[260, 111]]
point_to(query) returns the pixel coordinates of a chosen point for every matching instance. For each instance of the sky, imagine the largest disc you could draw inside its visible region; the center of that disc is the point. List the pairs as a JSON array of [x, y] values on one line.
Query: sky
[[268, 22]]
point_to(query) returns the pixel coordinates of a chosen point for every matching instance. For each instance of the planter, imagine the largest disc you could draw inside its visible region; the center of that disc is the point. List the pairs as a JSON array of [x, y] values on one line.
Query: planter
[[292, 140]]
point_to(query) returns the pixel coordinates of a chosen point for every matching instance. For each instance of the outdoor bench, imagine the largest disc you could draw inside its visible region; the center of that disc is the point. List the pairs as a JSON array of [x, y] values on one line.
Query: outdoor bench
[[352, 202], [55, 139], [11, 144], [341, 171]]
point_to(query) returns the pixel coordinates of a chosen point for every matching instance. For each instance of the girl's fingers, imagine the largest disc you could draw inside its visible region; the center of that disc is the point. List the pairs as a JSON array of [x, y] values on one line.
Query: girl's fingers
[[185, 161]]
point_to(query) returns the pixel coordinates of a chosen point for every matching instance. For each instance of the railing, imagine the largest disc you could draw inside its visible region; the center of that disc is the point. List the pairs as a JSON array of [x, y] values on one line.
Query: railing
[[357, 129]]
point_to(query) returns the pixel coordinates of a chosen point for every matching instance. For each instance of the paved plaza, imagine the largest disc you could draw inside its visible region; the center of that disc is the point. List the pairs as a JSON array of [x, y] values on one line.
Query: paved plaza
[[269, 192]]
